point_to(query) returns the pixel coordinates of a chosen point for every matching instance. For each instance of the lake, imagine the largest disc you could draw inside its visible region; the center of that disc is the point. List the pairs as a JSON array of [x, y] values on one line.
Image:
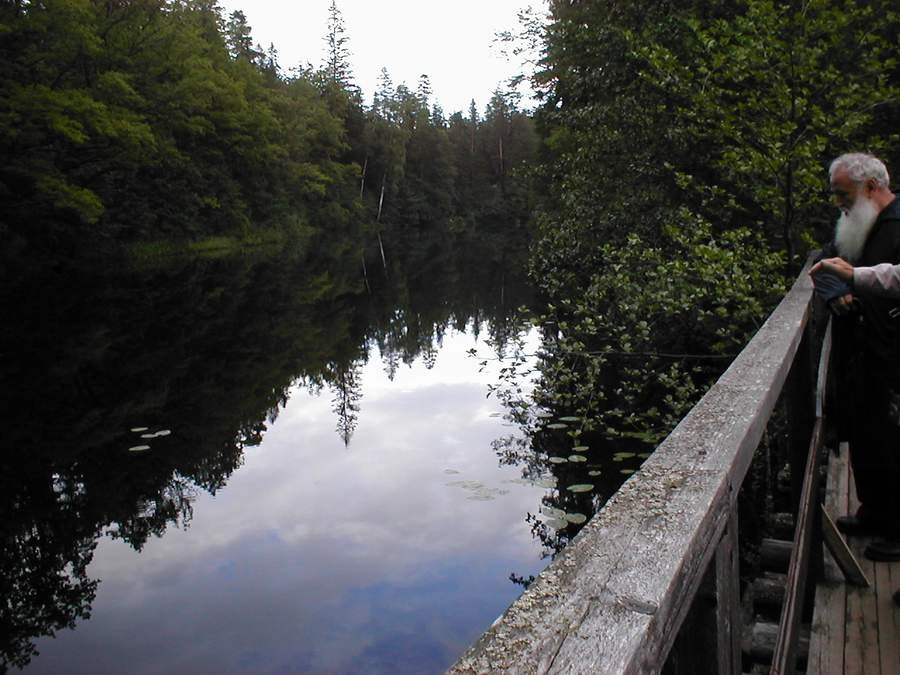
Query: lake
[[274, 463]]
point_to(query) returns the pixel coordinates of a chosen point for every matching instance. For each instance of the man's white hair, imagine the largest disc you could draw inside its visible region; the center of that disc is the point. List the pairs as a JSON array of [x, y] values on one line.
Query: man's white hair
[[860, 167]]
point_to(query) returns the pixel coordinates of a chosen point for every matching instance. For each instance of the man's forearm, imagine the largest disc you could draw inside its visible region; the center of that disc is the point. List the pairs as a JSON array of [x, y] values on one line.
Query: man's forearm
[[883, 279]]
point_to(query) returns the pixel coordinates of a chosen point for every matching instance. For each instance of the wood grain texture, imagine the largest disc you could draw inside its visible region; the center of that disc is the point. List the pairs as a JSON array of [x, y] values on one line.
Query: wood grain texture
[[785, 659], [728, 601], [827, 631]]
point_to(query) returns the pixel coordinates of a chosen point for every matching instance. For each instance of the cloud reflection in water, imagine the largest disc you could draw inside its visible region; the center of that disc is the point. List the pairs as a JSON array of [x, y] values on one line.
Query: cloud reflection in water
[[318, 557]]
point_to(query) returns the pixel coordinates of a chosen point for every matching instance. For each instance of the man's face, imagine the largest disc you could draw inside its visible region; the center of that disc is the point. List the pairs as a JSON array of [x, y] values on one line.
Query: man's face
[[845, 191]]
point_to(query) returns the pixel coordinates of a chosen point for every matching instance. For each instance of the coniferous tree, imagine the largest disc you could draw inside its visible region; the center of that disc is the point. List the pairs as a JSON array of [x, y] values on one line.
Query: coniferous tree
[[238, 38], [337, 57]]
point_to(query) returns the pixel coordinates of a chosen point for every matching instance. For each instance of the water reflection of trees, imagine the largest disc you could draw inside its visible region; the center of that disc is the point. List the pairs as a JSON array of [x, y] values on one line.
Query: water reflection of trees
[[547, 457], [207, 352]]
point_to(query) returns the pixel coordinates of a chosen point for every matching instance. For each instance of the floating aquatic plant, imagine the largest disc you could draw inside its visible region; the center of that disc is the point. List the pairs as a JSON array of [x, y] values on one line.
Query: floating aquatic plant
[[553, 512]]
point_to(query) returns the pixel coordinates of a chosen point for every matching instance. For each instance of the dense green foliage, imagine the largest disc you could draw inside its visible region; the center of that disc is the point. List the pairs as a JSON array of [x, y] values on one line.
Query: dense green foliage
[[152, 120], [684, 176]]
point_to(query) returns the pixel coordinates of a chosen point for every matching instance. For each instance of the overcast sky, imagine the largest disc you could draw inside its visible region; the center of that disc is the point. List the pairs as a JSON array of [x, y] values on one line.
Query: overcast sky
[[451, 42]]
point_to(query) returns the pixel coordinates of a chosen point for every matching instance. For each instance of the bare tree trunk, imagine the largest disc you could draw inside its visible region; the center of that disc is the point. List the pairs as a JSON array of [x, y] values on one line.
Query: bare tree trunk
[[365, 273], [362, 180], [381, 198], [381, 246], [378, 219]]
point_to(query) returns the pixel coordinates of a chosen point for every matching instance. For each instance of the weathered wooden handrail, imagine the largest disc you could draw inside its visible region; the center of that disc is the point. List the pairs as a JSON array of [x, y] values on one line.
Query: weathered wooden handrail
[[614, 599]]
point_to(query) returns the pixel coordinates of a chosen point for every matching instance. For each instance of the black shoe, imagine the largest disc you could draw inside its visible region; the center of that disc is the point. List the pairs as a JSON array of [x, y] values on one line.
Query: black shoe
[[887, 550], [897, 597], [855, 526]]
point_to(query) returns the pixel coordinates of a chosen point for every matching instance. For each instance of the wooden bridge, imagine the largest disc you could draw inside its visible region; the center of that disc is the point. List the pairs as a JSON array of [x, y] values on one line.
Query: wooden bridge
[[651, 583]]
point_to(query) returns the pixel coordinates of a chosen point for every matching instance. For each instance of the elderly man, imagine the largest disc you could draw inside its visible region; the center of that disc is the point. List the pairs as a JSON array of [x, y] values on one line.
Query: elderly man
[[882, 280], [867, 342]]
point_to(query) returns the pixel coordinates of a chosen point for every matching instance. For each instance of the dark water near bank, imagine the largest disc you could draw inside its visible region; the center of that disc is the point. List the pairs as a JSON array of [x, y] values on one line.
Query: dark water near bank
[[271, 465]]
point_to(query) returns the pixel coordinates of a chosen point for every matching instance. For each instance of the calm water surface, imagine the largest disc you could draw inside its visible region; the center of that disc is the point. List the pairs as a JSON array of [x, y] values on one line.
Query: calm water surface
[[271, 466], [386, 555], [259, 466]]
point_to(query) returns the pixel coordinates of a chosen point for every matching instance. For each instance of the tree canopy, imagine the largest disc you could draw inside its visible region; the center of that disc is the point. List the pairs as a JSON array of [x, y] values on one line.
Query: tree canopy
[[162, 120], [683, 180]]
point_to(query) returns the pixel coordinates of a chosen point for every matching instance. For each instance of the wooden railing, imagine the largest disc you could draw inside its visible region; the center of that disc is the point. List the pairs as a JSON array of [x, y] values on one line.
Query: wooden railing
[[616, 598]]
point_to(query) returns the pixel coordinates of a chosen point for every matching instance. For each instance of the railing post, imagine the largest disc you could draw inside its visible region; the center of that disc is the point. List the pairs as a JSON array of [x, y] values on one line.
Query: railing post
[[800, 408], [728, 599]]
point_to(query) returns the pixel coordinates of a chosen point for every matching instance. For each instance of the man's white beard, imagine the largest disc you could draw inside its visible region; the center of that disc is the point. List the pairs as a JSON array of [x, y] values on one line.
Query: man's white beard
[[853, 229]]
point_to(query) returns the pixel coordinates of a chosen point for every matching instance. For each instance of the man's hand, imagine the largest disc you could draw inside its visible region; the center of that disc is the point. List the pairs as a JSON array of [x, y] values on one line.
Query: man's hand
[[837, 266], [844, 304]]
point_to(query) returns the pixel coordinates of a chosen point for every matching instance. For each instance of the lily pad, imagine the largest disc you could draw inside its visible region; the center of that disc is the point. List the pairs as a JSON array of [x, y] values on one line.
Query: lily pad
[[581, 448], [626, 472], [577, 458], [557, 523], [138, 430], [594, 473], [624, 455], [558, 460], [553, 512], [138, 448], [569, 419], [580, 487], [576, 518], [546, 482], [558, 425]]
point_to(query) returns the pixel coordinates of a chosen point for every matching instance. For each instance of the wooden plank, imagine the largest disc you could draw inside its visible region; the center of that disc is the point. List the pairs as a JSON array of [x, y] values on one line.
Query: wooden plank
[[728, 600], [861, 645], [887, 636], [785, 658], [828, 628], [891, 629], [841, 553], [613, 600]]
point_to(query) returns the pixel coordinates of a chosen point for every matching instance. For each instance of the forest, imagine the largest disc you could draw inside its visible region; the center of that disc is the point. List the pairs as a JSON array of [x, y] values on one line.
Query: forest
[[672, 174], [153, 121], [672, 178]]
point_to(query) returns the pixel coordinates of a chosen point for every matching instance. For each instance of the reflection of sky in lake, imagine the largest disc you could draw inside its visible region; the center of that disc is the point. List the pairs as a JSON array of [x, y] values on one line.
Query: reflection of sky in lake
[[322, 558]]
